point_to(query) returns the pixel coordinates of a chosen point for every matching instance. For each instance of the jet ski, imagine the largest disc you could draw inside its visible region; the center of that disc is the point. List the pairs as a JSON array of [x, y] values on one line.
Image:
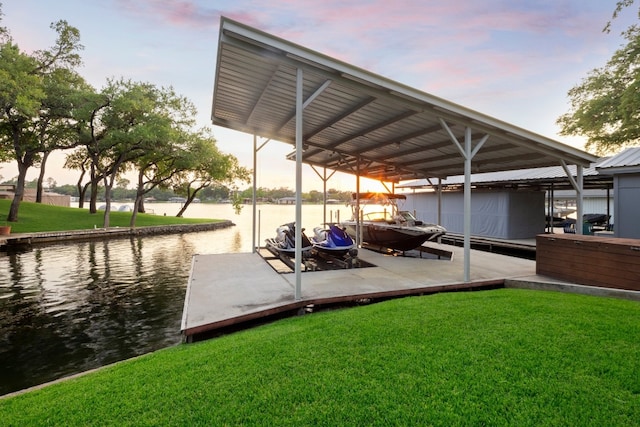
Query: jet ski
[[333, 240], [285, 240]]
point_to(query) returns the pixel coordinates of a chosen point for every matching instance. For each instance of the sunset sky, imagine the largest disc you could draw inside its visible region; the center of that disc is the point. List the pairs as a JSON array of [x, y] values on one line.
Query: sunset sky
[[514, 60]]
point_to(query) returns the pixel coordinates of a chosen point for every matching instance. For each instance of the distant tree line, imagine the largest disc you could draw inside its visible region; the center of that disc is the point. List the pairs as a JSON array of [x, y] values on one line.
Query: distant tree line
[[213, 193], [124, 127], [313, 196]]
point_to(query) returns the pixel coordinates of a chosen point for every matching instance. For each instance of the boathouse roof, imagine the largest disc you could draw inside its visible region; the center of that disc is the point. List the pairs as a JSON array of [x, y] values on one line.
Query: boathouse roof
[[628, 161], [521, 178], [357, 121]]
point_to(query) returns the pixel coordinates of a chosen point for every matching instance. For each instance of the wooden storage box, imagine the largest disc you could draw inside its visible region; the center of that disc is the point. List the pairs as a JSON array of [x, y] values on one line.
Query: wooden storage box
[[590, 260]]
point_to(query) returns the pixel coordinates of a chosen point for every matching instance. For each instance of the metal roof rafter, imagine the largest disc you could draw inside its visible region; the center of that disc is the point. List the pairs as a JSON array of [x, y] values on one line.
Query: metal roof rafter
[[403, 138], [372, 128], [305, 104]]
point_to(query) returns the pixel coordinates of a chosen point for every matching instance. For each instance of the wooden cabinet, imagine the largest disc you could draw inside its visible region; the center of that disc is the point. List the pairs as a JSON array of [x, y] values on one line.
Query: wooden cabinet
[[590, 260]]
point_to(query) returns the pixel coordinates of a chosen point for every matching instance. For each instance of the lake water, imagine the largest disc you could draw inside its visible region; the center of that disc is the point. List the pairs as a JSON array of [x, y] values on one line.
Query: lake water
[[71, 307]]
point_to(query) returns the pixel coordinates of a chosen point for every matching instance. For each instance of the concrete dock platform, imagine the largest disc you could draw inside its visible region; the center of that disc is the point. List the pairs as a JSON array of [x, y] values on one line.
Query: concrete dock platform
[[226, 290]]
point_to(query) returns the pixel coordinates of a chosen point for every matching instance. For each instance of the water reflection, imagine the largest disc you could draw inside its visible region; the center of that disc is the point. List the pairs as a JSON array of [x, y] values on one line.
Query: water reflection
[[71, 307]]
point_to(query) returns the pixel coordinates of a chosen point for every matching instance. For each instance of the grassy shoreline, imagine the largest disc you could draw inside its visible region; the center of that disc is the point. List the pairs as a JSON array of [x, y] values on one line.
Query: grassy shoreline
[[501, 357], [37, 217]]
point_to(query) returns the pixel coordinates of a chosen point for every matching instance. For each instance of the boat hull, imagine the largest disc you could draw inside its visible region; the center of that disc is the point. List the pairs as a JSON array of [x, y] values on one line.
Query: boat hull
[[332, 250], [401, 238]]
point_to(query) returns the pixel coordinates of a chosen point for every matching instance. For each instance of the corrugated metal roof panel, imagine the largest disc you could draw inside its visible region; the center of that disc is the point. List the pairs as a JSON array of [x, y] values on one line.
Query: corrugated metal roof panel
[[353, 117], [628, 158], [531, 176]]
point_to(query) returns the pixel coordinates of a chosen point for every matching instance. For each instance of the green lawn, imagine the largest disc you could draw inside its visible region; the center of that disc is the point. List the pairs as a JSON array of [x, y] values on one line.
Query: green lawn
[[35, 217], [501, 357]]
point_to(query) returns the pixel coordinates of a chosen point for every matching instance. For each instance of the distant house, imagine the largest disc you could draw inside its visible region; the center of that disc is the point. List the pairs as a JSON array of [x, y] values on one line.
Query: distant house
[[7, 191], [54, 199], [286, 201]]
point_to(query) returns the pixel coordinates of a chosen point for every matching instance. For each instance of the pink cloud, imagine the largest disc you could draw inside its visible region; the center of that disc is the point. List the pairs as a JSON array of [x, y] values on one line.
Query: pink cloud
[[431, 45], [181, 13]]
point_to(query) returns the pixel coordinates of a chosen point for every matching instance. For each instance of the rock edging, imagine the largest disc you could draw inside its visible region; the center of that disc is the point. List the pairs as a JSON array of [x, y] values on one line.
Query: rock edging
[[22, 239]]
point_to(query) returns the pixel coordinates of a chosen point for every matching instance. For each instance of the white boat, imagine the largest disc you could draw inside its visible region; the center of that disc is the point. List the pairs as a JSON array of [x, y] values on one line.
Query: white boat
[[387, 226]]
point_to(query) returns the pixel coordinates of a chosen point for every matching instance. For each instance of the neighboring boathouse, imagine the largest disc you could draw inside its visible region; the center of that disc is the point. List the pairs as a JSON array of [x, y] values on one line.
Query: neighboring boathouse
[[515, 204], [625, 170]]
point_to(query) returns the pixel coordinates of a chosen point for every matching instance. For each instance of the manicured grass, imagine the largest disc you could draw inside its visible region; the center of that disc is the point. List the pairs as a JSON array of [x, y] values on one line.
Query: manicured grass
[[502, 357], [35, 217]]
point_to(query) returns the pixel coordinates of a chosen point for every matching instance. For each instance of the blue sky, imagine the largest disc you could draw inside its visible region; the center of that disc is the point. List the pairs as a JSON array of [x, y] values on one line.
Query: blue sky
[[514, 60]]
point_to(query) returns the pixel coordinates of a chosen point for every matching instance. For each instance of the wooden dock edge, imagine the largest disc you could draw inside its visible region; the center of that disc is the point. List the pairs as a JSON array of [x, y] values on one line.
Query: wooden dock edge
[[197, 333]]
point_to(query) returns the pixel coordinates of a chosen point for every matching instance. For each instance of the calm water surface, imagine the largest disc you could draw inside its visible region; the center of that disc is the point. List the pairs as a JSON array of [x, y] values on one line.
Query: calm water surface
[[71, 307]]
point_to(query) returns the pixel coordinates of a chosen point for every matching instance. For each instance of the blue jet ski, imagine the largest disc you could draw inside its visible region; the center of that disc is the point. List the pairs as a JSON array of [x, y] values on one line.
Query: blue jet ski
[[333, 240]]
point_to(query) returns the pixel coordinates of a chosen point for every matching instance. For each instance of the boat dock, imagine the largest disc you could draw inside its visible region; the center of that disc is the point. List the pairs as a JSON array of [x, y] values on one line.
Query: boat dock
[[229, 291], [524, 248]]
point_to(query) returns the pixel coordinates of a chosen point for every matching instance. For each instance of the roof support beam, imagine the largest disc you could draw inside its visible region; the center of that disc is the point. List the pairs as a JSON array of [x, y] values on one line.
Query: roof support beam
[[578, 185], [306, 103], [452, 157], [324, 179], [262, 95], [338, 118], [402, 138], [372, 128], [315, 94]]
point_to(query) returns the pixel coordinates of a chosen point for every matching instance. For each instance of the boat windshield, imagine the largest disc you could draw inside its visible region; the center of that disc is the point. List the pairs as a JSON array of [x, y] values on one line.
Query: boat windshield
[[382, 216], [407, 216]]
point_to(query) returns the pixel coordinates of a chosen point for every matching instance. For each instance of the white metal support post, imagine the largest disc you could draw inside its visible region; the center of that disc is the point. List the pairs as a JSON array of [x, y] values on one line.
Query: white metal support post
[[467, 205], [324, 197], [579, 198], [439, 218], [357, 209], [300, 106], [255, 246], [254, 201], [578, 185], [468, 153], [298, 237]]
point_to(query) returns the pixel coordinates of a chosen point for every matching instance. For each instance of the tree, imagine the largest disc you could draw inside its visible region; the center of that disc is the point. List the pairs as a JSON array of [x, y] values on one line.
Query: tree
[[57, 120], [79, 159], [130, 124], [208, 167], [30, 109], [168, 154], [20, 95], [156, 170], [605, 106], [87, 156], [621, 4]]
